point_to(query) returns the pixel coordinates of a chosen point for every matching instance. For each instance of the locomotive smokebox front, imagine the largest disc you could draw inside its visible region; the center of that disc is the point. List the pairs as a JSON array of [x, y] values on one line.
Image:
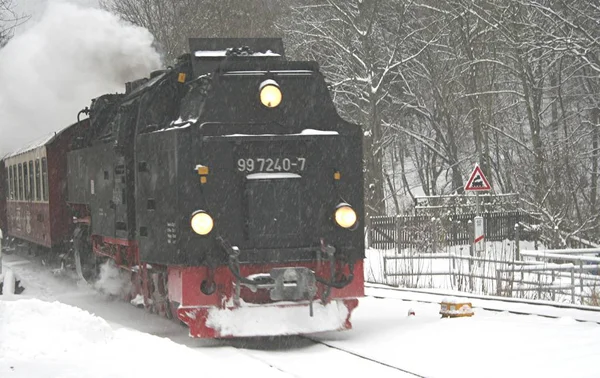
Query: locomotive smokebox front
[[266, 165]]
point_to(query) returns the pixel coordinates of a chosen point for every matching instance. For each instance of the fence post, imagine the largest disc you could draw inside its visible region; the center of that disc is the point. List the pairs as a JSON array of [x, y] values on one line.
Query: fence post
[[553, 291], [573, 285], [384, 268], [434, 234], [498, 283], [581, 280], [517, 242], [398, 237], [471, 254]]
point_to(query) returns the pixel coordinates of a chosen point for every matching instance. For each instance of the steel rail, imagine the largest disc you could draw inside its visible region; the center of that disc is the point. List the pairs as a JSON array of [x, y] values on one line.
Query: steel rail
[[489, 298], [316, 341]]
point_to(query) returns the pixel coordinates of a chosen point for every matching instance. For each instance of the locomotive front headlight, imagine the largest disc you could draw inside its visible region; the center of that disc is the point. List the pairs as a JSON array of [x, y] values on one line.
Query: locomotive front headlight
[[201, 223], [345, 216], [270, 94]]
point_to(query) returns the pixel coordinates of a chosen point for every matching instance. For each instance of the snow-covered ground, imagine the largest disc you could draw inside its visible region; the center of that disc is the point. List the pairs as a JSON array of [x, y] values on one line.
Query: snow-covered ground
[[51, 339], [452, 268], [43, 338], [425, 272]]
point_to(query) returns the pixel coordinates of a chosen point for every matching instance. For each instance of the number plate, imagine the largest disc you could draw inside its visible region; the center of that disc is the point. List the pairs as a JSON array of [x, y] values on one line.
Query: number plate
[[266, 164]]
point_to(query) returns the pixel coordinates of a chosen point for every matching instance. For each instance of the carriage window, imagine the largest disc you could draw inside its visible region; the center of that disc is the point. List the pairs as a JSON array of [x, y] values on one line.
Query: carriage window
[[8, 182], [12, 182], [21, 196], [45, 178], [25, 182], [38, 192], [15, 183], [31, 183]]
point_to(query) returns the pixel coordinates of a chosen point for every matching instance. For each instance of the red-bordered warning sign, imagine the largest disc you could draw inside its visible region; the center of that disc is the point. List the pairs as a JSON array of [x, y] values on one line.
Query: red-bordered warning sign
[[477, 181]]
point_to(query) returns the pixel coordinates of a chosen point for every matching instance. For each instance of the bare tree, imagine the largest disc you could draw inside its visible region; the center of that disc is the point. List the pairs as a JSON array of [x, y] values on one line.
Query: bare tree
[[8, 20], [364, 48], [172, 22]]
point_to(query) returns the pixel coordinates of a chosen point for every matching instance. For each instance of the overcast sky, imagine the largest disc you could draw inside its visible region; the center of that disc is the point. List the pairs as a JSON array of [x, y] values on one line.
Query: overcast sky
[[34, 9], [71, 53]]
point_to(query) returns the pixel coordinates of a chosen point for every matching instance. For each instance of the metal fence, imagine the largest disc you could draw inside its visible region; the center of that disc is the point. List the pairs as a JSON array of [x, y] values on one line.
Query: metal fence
[[555, 275], [428, 233]]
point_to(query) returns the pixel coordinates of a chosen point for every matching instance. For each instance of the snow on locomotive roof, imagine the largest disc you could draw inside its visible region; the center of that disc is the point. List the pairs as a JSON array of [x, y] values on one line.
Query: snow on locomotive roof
[[277, 72], [304, 132], [222, 53]]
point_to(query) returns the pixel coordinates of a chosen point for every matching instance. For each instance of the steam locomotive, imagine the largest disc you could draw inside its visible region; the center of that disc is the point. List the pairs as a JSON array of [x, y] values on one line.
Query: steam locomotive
[[227, 187]]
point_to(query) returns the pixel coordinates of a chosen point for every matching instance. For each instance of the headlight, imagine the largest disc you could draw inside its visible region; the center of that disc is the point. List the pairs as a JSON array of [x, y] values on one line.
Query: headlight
[[270, 94], [201, 223], [345, 216]]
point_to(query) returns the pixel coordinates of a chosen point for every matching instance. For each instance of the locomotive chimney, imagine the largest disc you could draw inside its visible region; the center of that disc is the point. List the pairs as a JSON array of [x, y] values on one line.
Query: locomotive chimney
[[208, 53]]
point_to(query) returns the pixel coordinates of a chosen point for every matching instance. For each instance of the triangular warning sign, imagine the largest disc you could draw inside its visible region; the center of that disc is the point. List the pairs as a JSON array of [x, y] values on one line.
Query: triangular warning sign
[[477, 181]]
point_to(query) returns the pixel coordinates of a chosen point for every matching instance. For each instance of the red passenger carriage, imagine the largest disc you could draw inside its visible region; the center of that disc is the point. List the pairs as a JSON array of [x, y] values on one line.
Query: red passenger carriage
[[35, 182]]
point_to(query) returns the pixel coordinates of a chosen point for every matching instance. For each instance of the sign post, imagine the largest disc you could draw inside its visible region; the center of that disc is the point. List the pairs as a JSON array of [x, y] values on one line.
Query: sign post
[[478, 183]]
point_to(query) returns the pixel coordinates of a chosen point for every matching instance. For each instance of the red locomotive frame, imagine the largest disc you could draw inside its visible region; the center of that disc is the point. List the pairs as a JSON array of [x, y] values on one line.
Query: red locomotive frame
[[173, 291]]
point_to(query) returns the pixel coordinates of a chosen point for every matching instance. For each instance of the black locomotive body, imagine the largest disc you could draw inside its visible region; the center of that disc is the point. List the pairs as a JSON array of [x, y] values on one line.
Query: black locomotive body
[[226, 184]]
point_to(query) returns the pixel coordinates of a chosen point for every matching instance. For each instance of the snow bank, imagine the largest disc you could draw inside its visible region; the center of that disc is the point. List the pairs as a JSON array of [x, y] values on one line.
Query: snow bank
[[41, 339], [60, 62], [275, 320]]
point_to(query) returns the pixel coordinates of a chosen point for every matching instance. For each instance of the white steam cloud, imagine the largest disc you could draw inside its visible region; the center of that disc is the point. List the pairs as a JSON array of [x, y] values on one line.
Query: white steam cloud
[[55, 67], [113, 280]]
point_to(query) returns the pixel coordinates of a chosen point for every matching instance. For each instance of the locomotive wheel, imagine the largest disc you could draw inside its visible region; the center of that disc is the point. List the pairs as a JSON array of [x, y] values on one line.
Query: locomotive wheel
[[159, 294], [86, 262]]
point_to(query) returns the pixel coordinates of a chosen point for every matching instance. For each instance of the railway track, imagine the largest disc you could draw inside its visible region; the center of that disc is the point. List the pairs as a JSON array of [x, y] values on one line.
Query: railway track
[[515, 306], [406, 372]]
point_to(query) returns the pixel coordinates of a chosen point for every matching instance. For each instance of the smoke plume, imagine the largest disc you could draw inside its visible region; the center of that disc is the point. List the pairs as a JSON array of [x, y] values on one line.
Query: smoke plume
[[55, 67]]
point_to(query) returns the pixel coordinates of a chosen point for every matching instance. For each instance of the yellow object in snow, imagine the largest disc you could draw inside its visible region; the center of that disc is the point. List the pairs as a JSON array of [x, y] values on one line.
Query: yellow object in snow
[[454, 308]]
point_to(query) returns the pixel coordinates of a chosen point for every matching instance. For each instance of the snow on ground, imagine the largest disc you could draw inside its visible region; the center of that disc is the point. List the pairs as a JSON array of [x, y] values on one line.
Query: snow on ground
[[47, 339], [488, 302], [489, 344], [43, 339], [450, 269], [419, 271]]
